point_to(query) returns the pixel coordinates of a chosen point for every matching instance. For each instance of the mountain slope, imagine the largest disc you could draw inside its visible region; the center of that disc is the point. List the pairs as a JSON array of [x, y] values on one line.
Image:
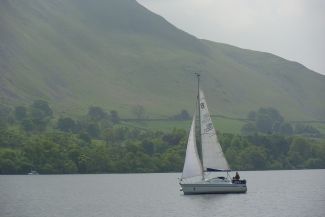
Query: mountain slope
[[116, 54]]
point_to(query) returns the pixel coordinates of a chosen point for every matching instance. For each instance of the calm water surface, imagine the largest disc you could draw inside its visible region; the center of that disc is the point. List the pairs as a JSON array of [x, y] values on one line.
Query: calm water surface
[[270, 193]]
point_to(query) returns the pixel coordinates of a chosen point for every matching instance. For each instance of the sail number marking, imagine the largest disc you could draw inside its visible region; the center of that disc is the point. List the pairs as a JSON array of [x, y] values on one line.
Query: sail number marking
[[208, 127]]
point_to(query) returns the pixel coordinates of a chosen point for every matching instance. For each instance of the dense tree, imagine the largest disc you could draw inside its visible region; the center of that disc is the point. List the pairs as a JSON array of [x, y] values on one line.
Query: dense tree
[[248, 129], [306, 129], [93, 130], [95, 145], [139, 111], [2, 124], [28, 125], [13, 162], [85, 137], [66, 124], [286, 129], [20, 113], [4, 112], [254, 158], [174, 137], [41, 113], [114, 117], [264, 123], [41, 110], [300, 146], [148, 147], [96, 113], [270, 121], [272, 113], [182, 116], [11, 138]]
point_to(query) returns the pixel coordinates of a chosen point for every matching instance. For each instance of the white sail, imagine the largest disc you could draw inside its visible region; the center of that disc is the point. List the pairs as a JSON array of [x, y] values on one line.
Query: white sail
[[192, 164], [213, 157]]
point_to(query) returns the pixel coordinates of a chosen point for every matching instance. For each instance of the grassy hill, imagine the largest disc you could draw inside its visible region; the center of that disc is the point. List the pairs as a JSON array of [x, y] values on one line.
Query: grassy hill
[[116, 54]]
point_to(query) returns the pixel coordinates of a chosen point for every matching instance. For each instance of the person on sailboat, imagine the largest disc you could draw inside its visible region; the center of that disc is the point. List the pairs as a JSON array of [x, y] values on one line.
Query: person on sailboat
[[237, 177]]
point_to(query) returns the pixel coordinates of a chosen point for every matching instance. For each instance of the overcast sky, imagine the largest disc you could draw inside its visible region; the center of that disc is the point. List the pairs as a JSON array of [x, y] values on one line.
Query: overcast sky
[[292, 29]]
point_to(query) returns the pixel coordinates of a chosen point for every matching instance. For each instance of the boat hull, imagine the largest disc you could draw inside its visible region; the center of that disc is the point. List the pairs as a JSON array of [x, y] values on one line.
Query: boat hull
[[209, 188]]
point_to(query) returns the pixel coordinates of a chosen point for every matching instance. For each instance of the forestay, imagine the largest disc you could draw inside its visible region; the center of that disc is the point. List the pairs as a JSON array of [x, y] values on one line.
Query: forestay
[[213, 157]]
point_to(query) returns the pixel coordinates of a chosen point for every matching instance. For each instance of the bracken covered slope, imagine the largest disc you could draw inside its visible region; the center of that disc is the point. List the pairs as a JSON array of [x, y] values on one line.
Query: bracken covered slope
[[116, 54]]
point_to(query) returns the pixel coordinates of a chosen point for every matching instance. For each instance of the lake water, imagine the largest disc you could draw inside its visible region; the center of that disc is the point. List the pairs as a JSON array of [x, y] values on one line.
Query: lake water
[[299, 193]]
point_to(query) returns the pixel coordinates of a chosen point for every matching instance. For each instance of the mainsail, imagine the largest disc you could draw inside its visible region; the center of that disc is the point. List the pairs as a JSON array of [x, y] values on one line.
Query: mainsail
[[192, 164], [213, 158]]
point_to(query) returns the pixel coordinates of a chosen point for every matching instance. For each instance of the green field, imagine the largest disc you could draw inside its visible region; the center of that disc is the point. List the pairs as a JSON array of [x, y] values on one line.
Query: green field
[[222, 125]]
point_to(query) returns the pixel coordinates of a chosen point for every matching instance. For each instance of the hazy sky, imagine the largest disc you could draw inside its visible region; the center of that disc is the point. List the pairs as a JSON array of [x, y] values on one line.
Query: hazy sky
[[292, 29]]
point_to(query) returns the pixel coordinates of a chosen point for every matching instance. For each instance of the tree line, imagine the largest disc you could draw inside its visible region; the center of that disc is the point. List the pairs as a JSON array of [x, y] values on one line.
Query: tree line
[[270, 121], [32, 138]]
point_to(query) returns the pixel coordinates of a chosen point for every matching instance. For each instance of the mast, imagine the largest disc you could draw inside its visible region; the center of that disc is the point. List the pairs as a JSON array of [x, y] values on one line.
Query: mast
[[198, 109], [199, 142], [198, 93]]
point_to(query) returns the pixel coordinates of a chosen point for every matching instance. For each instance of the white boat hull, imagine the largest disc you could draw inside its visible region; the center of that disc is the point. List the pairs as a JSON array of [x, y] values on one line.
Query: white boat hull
[[213, 188], [206, 187]]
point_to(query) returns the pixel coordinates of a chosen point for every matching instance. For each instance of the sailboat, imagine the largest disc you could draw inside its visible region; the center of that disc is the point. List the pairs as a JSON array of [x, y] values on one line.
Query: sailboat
[[196, 177]]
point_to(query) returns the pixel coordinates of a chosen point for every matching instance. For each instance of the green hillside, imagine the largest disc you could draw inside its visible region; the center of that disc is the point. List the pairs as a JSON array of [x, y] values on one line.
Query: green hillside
[[116, 54]]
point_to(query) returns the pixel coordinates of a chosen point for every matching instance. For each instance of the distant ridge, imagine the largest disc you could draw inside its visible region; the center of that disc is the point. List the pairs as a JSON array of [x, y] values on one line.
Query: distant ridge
[[116, 54]]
